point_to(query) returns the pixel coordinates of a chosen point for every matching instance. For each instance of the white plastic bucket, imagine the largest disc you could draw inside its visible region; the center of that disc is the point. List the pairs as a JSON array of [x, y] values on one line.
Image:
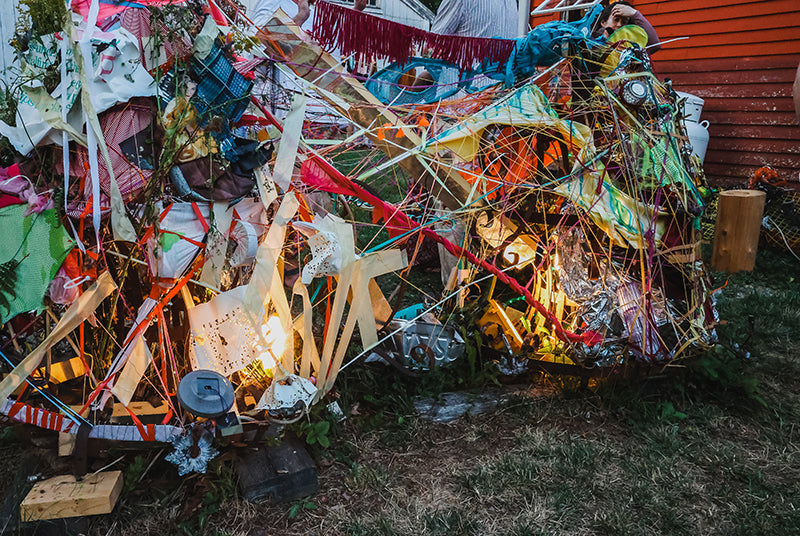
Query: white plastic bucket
[[698, 137], [692, 107]]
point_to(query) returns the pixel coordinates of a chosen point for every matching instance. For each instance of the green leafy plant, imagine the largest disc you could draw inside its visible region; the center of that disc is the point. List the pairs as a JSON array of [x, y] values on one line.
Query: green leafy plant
[[669, 413], [724, 369], [221, 486], [316, 433], [211, 503], [134, 472], [42, 16], [301, 506]]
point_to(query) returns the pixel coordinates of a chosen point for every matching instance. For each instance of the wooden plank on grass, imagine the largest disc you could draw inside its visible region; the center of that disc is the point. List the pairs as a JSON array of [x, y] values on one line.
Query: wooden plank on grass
[[63, 496]]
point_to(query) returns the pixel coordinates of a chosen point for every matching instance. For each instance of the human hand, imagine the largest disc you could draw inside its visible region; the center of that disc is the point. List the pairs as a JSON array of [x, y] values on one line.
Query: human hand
[[623, 10]]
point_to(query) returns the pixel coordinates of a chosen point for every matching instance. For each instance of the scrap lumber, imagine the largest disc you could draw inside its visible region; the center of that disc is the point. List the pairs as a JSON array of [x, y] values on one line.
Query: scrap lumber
[[64, 496], [144, 410], [61, 371], [66, 443]]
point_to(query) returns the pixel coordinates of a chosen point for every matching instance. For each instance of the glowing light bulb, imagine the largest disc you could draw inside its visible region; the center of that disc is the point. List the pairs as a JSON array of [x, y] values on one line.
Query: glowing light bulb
[[275, 338]]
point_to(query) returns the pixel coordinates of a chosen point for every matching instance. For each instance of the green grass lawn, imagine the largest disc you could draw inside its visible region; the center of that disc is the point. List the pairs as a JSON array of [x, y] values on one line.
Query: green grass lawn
[[708, 447]]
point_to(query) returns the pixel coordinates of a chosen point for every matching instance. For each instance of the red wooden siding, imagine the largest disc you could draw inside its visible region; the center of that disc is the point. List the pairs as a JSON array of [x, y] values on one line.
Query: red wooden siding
[[741, 57]]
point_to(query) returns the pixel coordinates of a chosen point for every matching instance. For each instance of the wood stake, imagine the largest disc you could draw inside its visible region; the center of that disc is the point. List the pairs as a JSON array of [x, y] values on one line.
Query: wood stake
[[737, 230]]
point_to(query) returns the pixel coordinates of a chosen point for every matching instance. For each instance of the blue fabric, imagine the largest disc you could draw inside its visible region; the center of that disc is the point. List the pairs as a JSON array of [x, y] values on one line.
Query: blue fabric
[[447, 79], [540, 48]]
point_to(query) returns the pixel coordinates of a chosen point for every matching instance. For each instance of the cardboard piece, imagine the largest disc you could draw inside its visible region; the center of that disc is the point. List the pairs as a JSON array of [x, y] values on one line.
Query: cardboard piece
[[66, 443], [287, 151], [303, 324], [266, 285], [217, 244]]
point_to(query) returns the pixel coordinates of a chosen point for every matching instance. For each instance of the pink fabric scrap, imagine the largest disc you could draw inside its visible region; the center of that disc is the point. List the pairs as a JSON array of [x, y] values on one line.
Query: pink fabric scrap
[[13, 182]]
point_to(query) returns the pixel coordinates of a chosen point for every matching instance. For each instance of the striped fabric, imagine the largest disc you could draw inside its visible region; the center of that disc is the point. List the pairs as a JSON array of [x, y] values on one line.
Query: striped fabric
[[244, 67], [118, 124], [24, 413], [42, 418], [477, 18], [138, 22]]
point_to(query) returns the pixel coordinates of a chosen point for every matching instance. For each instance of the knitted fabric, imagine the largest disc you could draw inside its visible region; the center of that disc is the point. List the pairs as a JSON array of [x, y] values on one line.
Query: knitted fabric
[[40, 244]]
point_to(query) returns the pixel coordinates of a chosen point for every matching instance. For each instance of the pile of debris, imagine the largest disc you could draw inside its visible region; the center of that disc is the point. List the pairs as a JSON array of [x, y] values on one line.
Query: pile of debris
[[218, 200]]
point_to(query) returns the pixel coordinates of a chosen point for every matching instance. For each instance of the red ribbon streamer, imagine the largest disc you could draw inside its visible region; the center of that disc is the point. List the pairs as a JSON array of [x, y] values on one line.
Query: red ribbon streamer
[[319, 173]]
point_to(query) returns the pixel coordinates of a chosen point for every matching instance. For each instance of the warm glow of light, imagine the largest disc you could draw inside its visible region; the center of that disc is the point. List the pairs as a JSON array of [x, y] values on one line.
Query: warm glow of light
[[524, 253], [275, 338]]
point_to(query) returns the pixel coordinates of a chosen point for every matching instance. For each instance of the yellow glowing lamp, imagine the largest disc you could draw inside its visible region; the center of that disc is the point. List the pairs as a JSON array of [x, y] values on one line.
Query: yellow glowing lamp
[[275, 340], [506, 318]]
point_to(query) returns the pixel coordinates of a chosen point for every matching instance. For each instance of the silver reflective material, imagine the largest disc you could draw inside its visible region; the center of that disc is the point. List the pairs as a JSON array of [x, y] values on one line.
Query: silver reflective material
[[425, 344]]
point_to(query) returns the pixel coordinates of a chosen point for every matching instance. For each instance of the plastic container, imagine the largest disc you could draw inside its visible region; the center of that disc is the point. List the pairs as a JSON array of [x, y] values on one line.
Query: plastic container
[[692, 107], [698, 136]]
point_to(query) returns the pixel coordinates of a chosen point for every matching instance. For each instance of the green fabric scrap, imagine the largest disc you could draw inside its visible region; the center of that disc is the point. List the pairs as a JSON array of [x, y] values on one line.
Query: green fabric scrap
[[167, 240], [40, 244], [658, 163]]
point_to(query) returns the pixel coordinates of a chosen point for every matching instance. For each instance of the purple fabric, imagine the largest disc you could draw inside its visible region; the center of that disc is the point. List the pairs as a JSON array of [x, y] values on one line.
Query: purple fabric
[[652, 36]]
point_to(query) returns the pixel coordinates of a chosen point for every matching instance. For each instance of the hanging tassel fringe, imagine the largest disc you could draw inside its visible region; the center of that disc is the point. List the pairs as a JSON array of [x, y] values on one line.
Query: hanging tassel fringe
[[371, 38]]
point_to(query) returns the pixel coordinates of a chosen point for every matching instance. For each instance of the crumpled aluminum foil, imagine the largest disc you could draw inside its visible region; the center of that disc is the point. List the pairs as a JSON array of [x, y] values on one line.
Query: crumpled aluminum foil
[[191, 457], [421, 344], [613, 306], [573, 277]]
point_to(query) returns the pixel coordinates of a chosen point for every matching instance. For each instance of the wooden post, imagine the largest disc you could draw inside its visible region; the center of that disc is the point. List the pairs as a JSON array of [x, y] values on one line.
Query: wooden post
[[737, 229]]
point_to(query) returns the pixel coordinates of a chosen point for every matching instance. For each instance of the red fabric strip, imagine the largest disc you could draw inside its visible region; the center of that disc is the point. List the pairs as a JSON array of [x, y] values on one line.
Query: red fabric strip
[[370, 38], [341, 184], [148, 432], [200, 216], [8, 200]]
